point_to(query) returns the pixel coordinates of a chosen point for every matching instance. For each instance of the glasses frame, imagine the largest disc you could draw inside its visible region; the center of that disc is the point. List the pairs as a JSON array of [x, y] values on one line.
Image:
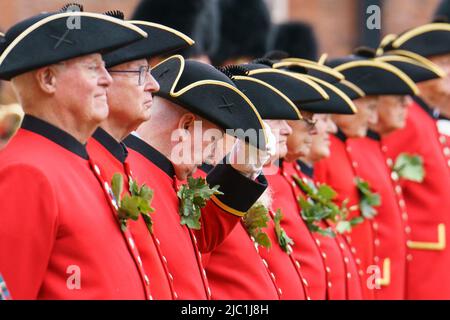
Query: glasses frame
[[144, 72]]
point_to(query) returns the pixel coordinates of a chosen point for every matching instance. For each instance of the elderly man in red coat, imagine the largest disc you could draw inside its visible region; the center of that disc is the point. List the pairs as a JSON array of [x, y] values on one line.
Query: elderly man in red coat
[[60, 237], [426, 203], [373, 78]]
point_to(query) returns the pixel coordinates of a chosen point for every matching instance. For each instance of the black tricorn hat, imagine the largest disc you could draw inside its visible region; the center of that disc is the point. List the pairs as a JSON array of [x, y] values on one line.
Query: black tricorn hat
[[270, 102], [417, 70], [374, 77], [296, 87], [340, 98], [309, 67], [428, 40], [209, 93], [244, 28], [50, 38], [161, 40], [295, 38], [188, 17]]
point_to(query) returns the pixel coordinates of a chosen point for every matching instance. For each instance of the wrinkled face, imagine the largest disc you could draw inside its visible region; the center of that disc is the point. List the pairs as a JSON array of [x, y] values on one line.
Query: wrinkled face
[[300, 141], [130, 95], [81, 86], [392, 112], [198, 144], [321, 141], [281, 131], [356, 125], [437, 92]]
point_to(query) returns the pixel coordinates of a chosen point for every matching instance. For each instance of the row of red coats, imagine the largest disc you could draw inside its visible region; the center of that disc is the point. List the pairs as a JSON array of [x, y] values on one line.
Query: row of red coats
[[70, 247]]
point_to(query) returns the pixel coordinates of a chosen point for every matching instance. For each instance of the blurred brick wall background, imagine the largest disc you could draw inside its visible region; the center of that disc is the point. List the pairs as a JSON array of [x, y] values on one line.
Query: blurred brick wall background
[[335, 21]]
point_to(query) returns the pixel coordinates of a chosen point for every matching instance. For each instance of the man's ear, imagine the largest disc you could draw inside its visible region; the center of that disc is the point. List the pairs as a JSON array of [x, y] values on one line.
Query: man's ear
[[46, 79], [186, 121]]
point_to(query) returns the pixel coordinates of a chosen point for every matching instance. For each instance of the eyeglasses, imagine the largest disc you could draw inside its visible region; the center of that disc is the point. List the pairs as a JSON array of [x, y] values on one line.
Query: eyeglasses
[[144, 73]]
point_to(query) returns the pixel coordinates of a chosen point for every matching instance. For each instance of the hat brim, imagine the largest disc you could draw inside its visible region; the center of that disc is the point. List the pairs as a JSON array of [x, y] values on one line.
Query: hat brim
[[270, 102], [377, 78], [297, 88], [161, 40], [338, 103], [312, 68], [418, 71], [49, 41], [427, 40], [207, 92]]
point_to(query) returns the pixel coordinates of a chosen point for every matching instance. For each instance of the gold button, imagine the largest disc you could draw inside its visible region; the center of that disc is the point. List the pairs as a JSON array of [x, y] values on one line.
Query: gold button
[[446, 151], [442, 139]]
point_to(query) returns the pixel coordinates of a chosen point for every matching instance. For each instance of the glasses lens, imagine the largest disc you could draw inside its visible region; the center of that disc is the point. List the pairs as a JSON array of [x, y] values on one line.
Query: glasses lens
[[144, 72]]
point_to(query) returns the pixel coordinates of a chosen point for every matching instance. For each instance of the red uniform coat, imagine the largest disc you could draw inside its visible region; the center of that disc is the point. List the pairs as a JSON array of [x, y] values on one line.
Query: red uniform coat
[[390, 225], [240, 269], [341, 271], [59, 238], [181, 246], [427, 204], [110, 156], [338, 171]]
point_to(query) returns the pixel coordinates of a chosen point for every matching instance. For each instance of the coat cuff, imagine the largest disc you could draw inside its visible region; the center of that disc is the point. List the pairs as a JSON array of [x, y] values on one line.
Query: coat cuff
[[239, 192]]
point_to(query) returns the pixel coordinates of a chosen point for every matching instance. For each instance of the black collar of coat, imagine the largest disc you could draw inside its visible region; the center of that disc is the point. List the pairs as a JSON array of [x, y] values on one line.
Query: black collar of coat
[[54, 134], [117, 149], [150, 154], [306, 169]]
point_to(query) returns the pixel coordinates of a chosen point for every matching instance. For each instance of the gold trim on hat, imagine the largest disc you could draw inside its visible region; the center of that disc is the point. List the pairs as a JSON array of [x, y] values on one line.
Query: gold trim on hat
[[435, 246], [323, 58], [354, 87], [2, 34], [56, 16], [380, 65], [384, 42], [294, 75], [418, 60], [337, 91], [188, 40], [310, 65], [408, 35], [281, 94], [176, 94]]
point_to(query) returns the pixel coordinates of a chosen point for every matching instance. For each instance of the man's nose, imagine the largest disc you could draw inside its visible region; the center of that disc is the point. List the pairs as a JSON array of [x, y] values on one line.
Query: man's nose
[[152, 85]]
